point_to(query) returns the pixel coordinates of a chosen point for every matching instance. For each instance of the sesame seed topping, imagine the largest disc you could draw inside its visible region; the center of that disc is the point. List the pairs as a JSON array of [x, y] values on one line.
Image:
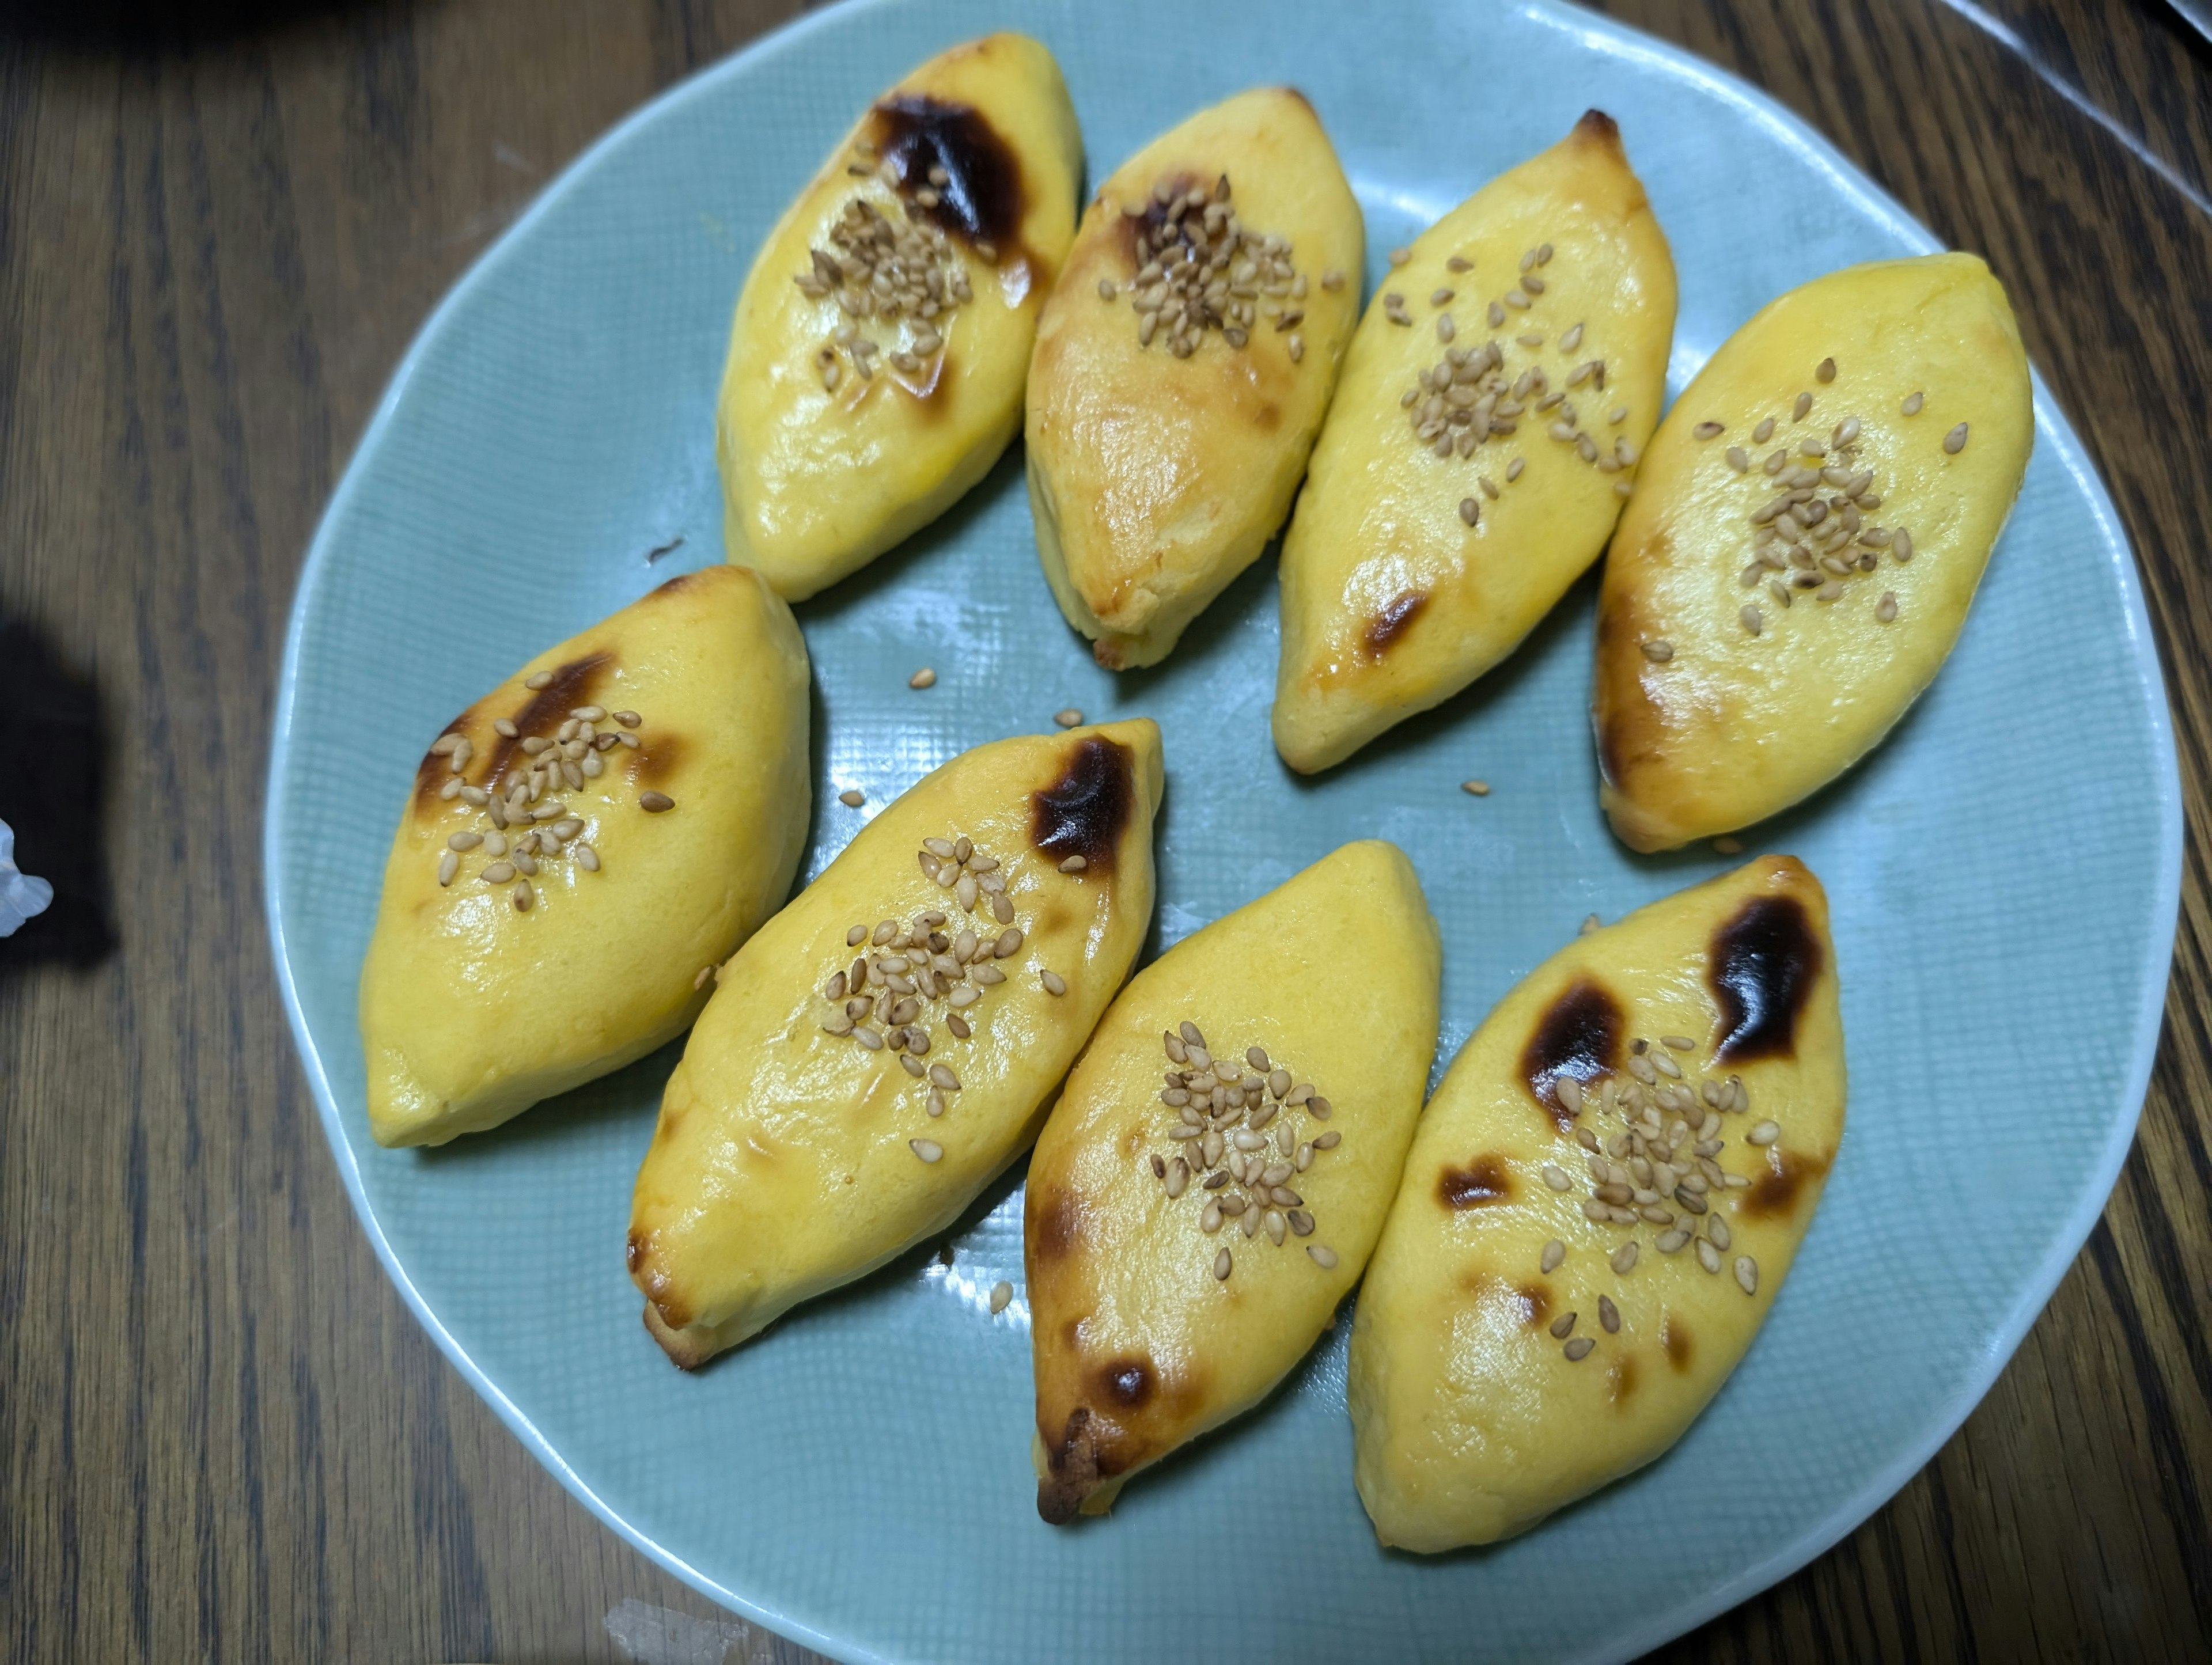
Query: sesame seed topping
[[1747, 1274], [1708, 430], [1955, 440], [1912, 403], [924, 677], [1400, 255], [1658, 651], [1885, 610], [927, 1149], [1323, 1256], [1074, 864], [1054, 984], [1802, 409], [1579, 1349], [1763, 1133], [655, 803], [1824, 371], [1608, 1316]]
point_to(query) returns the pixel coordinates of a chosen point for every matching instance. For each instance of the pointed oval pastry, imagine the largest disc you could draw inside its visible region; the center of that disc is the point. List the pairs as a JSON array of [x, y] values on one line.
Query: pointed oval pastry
[[1491, 417], [1174, 1277], [887, 1044], [1162, 455], [1529, 1330], [883, 336], [623, 811], [1812, 522]]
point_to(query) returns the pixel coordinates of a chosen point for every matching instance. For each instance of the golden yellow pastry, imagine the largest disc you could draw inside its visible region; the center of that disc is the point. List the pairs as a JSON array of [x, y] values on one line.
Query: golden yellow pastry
[[577, 846], [1602, 1202], [1187, 1243], [1183, 365], [888, 1043], [881, 342], [1808, 531], [1489, 421]]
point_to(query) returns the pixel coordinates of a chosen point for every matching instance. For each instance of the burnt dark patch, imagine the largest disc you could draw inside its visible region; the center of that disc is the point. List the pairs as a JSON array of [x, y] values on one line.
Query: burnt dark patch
[[543, 712], [1622, 1378], [1055, 1227], [634, 1252], [1764, 962], [1396, 618], [1578, 1036], [1681, 1347], [1126, 1382], [1535, 1304], [1775, 1193], [1597, 125], [1072, 1458], [1085, 811], [657, 761], [982, 200], [1481, 1184], [1153, 228]]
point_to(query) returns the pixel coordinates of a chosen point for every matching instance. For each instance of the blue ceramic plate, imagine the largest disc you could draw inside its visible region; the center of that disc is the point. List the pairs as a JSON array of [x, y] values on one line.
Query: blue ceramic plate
[[2004, 872]]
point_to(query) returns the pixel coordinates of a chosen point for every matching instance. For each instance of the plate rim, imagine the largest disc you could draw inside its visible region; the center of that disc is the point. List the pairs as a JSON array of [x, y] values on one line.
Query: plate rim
[[1599, 33]]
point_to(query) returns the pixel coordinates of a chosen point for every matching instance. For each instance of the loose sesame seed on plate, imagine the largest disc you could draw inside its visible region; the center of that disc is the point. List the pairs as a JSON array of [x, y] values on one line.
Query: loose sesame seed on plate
[[1475, 788], [1590, 923], [852, 798], [1070, 718], [1001, 1293], [925, 677], [1725, 846]]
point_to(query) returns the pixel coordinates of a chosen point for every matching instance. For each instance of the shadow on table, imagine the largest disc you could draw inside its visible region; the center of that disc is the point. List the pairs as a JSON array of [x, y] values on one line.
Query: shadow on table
[[52, 754], [136, 26]]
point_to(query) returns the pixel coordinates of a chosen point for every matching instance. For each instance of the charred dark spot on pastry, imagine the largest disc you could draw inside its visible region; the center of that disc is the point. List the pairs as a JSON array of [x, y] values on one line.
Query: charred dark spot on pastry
[[1268, 417], [1535, 1304], [1396, 618], [1056, 1227], [548, 707], [1086, 811], [1620, 1379], [698, 578], [1073, 1461], [1126, 1382], [1681, 1347], [1765, 961], [1482, 1183], [1777, 1192], [1595, 127], [1152, 224], [659, 760], [637, 1248], [1299, 94], [1579, 1037], [982, 199]]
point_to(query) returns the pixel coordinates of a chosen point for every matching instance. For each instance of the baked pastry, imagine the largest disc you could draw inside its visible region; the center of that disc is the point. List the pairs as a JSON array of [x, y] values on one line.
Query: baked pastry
[[885, 1046], [1490, 420], [883, 336], [1183, 365], [1602, 1202], [1186, 1244], [577, 845], [1812, 522]]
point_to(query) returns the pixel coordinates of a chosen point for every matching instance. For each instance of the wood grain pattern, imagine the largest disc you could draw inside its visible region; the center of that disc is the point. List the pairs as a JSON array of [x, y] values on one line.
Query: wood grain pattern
[[224, 1437]]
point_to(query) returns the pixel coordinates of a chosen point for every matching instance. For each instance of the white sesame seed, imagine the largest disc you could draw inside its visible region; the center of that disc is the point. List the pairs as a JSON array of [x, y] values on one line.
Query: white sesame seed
[[924, 677], [852, 798], [1579, 1349], [1747, 1274], [1763, 1133], [1054, 984], [1071, 718], [1955, 440], [1001, 1293], [927, 1149]]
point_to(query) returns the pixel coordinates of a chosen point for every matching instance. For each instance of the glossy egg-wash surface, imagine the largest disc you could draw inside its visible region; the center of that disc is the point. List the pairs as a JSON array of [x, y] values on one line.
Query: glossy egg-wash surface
[[1140, 1341], [886, 1425], [1156, 477], [482, 995], [1405, 575], [825, 467], [1718, 702], [1513, 1351], [791, 1156]]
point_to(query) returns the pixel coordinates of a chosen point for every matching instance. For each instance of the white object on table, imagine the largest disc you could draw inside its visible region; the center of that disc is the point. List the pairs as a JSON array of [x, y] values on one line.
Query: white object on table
[[21, 896]]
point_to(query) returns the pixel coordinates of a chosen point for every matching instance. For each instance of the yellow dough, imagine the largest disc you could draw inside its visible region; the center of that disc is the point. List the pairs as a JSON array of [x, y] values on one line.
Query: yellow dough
[[562, 939], [1784, 584], [806, 1138], [1527, 335], [1173, 1281], [1512, 1353], [1161, 457], [930, 236]]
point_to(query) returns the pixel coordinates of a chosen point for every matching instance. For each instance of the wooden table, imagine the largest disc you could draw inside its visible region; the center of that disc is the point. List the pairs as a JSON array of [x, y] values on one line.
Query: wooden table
[[224, 1437]]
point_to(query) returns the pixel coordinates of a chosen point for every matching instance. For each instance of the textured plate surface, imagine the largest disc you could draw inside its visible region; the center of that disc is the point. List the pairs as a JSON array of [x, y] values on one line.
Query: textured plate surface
[[2004, 887]]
